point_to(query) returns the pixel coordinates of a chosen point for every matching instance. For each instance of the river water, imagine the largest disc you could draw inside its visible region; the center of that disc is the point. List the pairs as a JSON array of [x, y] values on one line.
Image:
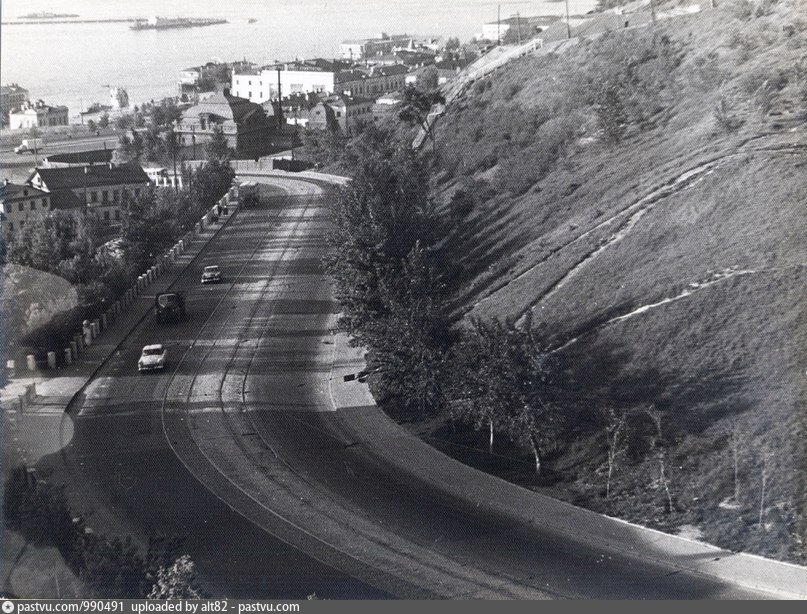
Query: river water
[[73, 64]]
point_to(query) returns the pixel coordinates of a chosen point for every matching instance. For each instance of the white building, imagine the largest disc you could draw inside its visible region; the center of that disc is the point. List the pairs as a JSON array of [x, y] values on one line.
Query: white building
[[37, 115], [294, 78]]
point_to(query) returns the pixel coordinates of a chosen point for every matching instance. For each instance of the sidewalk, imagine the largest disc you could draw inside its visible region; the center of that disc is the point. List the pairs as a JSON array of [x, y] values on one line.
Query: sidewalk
[[374, 429], [55, 388]]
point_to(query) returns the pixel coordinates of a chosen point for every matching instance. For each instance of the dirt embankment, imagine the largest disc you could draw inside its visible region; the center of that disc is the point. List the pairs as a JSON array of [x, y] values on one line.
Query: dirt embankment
[[642, 196]]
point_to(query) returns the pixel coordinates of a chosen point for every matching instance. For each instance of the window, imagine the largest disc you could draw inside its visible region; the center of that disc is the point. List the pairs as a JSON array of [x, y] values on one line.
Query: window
[[93, 197], [137, 192], [117, 214], [115, 196], [33, 205], [22, 224], [44, 203], [249, 95], [21, 206], [106, 215], [105, 196]]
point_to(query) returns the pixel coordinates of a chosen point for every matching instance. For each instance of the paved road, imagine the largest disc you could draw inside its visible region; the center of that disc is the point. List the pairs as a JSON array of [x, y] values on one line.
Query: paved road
[[17, 167], [247, 409]]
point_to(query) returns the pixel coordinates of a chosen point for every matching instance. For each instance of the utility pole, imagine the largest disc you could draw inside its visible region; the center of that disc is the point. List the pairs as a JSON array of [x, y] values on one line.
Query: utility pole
[[568, 25], [174, 147], [279, 102], [193, 138], [518, 26], [499, 25]]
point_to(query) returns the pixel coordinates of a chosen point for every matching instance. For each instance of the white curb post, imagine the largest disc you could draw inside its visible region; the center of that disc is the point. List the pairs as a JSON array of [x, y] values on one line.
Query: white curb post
[[68, 356], [30, 362], [51, 360]]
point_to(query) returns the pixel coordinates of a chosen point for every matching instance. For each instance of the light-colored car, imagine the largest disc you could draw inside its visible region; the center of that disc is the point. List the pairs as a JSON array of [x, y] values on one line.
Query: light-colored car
[[211, 275], [153, 357]]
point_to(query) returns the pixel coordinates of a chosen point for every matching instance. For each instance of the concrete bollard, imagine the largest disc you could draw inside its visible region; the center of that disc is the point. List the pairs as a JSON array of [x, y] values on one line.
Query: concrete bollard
[[74, 349], [11, 368], [87, 331], [51, 360], [30, 362], [68, 356]]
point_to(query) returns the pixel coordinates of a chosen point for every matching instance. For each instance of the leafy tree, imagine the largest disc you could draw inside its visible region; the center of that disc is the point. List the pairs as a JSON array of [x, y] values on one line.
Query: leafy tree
[[410, 344], [429, 79], [103, 121], [124, 151], [217, 148], [452, 44], [610, 109], [178, 581], [153, 145], [416, 107], [148, 227], [323, 147], [499, 375], [137, 145], [91, 125], [378, 219]]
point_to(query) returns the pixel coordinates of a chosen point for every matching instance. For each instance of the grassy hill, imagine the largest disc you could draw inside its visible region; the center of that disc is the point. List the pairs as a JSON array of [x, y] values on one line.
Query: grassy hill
[[643, 195]]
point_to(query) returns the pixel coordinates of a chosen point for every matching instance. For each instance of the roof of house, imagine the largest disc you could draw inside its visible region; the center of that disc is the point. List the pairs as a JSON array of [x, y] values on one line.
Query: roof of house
[[393, 69], [10, 191], [96, 156], [226, 107], [75, 177], [65, 199]]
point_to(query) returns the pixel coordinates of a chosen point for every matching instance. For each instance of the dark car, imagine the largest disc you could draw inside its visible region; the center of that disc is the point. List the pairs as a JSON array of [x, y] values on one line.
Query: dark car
[[169, 307]]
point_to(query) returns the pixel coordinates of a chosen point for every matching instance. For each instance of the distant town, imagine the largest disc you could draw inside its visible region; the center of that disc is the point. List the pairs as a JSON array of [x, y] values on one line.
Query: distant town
[[259, 109]]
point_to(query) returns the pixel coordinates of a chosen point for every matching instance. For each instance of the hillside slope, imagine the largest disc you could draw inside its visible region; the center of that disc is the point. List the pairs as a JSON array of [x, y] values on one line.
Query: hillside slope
[[642, 195]]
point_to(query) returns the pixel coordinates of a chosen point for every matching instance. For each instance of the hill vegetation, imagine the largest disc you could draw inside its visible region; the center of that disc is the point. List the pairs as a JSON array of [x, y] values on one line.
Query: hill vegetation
[[601, 296], [640, 196]]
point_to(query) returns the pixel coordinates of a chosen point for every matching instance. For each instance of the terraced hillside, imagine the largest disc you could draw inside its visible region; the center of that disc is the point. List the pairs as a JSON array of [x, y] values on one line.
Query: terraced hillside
[[643, 195]]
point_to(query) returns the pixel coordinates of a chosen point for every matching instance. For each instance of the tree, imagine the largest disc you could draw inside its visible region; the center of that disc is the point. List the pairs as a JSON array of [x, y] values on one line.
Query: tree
[[429, 79], [217, 148], [178, 581], [615, 437], [91, 125], [452, 44], [103, 122], [416, 107], [499, 374], [124, 151], [610, 110], [148, 227], [153, 144]]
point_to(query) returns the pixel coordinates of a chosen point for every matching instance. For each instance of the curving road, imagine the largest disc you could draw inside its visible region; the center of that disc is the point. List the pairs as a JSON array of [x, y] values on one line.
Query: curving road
[[334, 501]]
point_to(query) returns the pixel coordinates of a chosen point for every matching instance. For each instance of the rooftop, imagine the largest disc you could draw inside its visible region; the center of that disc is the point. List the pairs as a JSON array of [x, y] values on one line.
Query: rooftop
[[10, 191], [96, 156], [77, 177]]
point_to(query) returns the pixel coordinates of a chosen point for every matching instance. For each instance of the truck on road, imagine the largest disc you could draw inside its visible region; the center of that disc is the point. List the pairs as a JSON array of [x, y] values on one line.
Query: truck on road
[[28, 146], [169, 307], [248, 194]]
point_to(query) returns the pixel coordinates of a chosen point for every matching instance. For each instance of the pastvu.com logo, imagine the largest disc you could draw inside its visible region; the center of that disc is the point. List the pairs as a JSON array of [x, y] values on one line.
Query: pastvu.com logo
[[8, 607]]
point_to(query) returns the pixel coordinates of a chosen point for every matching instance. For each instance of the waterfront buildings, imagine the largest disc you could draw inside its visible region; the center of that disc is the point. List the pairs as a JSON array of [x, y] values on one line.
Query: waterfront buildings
[[243, 123], [37, 115], [11, 97], [360, 49], [308, 77]]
